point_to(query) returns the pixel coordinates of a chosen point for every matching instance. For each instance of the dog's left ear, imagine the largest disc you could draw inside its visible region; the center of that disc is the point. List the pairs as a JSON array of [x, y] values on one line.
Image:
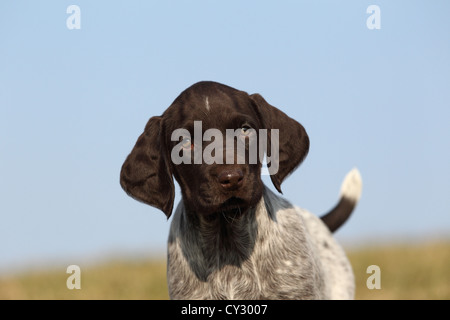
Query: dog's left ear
[[293, 139], [146, 174]]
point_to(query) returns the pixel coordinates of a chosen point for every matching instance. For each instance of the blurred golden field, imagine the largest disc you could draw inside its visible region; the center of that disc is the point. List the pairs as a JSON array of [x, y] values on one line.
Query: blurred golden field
[[419, 271]]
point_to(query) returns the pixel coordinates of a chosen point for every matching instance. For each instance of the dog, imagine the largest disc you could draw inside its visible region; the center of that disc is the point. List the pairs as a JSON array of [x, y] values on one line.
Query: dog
[[231, 237]]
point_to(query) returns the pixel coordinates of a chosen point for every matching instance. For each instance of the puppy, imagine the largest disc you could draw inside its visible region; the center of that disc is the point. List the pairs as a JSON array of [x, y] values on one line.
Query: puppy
[[231, 237]]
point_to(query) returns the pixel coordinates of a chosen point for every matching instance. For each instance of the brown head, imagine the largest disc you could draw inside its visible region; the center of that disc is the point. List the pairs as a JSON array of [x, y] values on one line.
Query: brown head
[[189, 142]]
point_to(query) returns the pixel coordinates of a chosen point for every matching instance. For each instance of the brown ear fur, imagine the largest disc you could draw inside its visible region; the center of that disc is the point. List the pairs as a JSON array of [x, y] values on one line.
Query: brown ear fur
[[146, 175], [293, 139]]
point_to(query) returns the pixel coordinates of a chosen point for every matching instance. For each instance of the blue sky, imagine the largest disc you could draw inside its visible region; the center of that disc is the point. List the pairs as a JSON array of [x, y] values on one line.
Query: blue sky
[[73, 102]]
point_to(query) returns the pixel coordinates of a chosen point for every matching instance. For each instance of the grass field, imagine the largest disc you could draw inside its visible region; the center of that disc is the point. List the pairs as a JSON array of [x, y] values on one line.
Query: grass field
[[406, 272]]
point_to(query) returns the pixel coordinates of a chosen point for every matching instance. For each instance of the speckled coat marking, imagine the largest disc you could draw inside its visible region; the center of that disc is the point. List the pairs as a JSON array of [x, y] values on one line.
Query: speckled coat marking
[[277, 251]]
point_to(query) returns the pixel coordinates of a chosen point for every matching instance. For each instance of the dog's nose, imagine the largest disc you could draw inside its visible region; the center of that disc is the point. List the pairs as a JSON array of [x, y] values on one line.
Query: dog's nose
[[231, 179]]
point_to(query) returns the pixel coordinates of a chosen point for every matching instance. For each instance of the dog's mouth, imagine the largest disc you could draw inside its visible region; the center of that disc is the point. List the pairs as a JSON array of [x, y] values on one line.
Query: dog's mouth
[[232, 208], [233, 203]]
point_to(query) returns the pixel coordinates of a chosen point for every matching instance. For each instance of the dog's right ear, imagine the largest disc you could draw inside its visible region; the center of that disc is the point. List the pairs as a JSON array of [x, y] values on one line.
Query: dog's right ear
[[146, 175]]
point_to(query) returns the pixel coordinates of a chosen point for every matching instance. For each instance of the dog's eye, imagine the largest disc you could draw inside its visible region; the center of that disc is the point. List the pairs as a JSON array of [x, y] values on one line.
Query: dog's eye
[[245, 130], [186, 143]]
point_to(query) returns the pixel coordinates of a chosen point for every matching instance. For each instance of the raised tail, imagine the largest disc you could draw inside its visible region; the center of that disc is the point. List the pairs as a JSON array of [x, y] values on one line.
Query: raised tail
[[350, 193]]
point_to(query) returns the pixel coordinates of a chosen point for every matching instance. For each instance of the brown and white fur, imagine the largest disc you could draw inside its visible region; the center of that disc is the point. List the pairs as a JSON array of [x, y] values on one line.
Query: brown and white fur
[[231, 237]]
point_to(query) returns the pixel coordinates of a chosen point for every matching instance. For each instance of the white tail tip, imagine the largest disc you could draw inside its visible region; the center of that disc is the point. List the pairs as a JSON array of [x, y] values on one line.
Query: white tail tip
[[352, 186]]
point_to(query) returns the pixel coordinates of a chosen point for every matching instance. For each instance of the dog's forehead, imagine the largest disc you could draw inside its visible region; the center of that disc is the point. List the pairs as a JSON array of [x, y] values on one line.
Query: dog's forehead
[[208, 102]]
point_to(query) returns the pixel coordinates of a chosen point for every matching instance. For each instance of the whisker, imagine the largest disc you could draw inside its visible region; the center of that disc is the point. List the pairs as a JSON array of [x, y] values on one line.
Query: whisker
[[225, 217]]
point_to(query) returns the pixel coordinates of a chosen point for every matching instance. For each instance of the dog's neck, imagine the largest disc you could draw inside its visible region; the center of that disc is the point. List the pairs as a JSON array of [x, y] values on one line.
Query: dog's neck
[[233, 230], [223, 239]]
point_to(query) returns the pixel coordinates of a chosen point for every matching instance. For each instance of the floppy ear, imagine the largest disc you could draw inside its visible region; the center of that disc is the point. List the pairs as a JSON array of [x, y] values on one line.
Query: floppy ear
[[146, 175], [293, 139]]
